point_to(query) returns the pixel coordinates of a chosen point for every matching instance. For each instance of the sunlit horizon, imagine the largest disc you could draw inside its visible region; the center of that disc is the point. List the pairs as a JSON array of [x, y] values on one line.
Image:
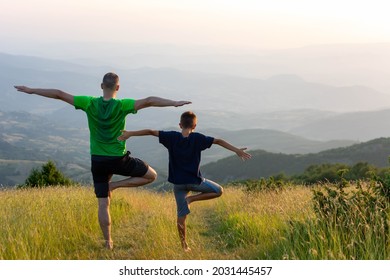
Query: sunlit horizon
[[249, 24]]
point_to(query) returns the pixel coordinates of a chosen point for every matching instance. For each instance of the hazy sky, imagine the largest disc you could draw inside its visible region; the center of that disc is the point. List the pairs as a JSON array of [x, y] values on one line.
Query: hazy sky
[[258, 24]]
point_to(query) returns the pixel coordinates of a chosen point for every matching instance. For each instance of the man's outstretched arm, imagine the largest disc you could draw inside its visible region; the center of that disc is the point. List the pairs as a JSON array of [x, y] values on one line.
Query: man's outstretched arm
[[153, 101], [239, 151], [49, 93]]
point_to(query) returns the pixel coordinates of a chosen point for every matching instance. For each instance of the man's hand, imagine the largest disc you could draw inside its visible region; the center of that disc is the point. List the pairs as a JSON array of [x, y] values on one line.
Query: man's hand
[[153, 101], [24, 89], [181, 103]]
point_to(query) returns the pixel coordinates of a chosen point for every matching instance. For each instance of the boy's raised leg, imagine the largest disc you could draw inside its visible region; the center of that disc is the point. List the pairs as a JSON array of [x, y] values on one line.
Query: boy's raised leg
[[202, 196]]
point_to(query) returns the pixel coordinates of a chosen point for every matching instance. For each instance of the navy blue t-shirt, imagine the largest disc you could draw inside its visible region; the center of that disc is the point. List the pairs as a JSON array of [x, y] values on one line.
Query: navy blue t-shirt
[[184, 155]]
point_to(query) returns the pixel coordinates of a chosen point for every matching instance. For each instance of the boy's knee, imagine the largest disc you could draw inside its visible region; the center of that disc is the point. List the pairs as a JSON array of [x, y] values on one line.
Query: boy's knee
[[181, 220], [220, 191]]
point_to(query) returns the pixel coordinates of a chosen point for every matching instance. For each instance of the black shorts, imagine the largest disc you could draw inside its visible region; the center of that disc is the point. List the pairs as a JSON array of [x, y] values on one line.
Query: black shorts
[[104, 167]]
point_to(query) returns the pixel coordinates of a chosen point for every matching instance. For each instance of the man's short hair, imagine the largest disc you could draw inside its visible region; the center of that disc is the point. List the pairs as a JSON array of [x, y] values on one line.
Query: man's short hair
[[110, 80], [188, 119]]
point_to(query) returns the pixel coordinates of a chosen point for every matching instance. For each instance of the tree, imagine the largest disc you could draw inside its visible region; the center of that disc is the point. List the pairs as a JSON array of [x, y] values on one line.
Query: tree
[[48, 175]]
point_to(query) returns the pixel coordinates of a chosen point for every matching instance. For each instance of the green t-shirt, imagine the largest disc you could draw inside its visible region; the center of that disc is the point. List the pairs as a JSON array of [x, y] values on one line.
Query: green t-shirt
[[106, 119]]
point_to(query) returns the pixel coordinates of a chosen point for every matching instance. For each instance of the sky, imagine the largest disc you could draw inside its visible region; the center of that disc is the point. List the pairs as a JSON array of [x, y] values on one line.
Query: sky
[[252, 24]]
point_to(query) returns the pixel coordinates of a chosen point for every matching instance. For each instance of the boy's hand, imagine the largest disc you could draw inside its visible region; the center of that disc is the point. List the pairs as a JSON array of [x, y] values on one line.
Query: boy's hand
[[181, 103], [124, 136], [242, 154], [24, 89]]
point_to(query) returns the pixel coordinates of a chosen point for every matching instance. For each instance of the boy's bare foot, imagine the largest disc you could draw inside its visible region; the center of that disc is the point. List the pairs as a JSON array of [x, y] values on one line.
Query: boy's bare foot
[[188, 203], [189, 200]]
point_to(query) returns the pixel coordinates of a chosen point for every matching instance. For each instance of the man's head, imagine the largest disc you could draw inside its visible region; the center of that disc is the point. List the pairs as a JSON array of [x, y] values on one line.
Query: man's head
[[110, 82], [188, 120]]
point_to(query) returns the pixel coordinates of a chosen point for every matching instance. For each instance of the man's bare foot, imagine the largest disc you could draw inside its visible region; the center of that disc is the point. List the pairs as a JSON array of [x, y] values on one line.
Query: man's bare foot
[[109, 244], [185, 247]]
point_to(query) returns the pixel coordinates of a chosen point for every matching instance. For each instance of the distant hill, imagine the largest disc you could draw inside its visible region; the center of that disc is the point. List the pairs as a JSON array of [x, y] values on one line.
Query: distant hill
[[359, 126], [220, 92], [265, 164], [282, 102]]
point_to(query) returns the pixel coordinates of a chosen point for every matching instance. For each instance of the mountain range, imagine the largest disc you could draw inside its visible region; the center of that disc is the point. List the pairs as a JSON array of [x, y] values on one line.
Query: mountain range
[[245, 99], [332, 64], [286, 103], [27, 137], [217, 92]]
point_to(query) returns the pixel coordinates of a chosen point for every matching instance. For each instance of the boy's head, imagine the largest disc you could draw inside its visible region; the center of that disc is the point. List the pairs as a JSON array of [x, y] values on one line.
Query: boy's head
[[110, 81], [188, 120]]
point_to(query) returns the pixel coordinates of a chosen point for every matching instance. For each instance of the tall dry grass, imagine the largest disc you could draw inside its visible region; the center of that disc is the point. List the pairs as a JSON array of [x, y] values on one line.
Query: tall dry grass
[[61, 223]]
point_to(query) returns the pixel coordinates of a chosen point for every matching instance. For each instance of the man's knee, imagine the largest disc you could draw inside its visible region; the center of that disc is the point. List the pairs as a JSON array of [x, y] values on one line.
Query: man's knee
[[150, 175], [104, 202]]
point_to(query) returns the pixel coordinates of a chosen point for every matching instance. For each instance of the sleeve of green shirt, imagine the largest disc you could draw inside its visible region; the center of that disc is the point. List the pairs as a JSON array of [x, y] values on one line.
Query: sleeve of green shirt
[[82, 102], [128, 106]]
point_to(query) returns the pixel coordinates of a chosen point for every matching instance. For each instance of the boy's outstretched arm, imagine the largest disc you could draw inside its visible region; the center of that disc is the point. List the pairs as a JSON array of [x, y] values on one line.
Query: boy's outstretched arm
[[153, 101], [126, 134], [50, 93], [239, 151]]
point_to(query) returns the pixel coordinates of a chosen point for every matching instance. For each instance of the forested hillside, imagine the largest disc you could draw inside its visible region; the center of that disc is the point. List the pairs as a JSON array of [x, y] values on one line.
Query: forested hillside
[[265, 164]]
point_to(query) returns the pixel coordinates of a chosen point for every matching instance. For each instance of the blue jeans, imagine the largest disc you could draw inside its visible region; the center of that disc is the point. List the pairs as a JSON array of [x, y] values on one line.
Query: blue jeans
[[181, 192]]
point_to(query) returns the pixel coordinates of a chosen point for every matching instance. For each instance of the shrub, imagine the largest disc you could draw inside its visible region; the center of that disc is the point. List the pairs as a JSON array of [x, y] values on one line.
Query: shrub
[[48, 175], [276, 183]]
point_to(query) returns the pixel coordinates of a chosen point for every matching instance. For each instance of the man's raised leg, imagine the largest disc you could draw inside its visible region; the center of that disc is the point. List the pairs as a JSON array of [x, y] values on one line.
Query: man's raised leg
[[132, 182]]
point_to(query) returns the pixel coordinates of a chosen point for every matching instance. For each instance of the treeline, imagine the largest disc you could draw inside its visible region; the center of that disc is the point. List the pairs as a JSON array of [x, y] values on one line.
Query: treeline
[[334, 173], [49, 175]]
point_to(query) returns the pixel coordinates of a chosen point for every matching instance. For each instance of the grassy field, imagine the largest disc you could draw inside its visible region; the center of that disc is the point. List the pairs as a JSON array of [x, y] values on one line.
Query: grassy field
[[61, 224]]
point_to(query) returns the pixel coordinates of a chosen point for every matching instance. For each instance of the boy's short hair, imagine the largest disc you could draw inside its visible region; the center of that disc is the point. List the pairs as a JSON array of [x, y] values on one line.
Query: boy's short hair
[[110, 80], [188, 119]]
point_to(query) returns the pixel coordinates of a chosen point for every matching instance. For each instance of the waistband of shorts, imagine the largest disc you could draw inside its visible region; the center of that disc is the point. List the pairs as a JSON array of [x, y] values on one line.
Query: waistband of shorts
[[106, 158]]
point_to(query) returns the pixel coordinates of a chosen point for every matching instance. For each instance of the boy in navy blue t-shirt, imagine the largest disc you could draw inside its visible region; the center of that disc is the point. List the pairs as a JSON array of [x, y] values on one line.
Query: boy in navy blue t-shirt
[[185, 149]]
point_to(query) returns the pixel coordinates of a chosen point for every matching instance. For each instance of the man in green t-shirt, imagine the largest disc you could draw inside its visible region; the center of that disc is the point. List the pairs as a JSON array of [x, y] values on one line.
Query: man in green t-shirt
[[106, 118]]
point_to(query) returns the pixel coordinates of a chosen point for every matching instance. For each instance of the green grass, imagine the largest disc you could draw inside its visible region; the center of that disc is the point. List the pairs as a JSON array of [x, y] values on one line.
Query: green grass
[[61, 224]]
